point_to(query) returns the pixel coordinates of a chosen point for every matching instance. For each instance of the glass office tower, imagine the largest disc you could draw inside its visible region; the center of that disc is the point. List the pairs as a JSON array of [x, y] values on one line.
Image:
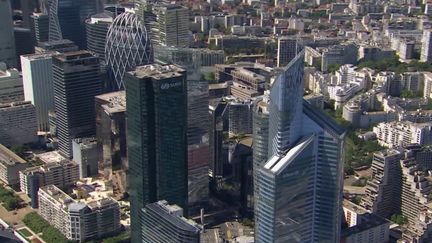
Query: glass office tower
[[299, 191], [7, 39], [127, 46], [156, 109], [67, 19], [76, 79]]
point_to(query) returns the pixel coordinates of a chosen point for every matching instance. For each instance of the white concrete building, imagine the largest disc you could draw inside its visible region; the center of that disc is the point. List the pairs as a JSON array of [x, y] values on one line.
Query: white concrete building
[[38, 85], [79, 220], [427, 88], [426, 48], [398, 134], [60, 174], [10, 165], [353, 213]]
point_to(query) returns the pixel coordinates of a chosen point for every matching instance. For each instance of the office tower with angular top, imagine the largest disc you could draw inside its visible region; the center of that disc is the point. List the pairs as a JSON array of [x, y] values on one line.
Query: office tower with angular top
[[127, 46], [76, 78], [156, 109], [67, 19], [299, 193]]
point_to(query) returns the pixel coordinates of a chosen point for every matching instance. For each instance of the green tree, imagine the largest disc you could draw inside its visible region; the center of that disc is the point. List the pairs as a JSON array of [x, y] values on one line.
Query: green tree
[[210, 76], [18, 150], [407, 94], [11, 203], [399, 219], [332, 68]]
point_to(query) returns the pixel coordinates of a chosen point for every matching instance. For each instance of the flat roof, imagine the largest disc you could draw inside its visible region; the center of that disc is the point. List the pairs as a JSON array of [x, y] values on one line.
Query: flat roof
[[45, 55], [157, 71], [353, 207], [114, 101], [74, 55], [57, 194], [108, 97], [15, 104], [10, 157], [47, 167], [164, 210], [369, 221], [51, 157]]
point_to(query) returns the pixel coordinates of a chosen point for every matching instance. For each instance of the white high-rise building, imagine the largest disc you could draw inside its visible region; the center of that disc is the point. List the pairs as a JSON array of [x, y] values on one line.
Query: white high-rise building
[[426, 49], [427, 88], [38, 85], [7, 40]]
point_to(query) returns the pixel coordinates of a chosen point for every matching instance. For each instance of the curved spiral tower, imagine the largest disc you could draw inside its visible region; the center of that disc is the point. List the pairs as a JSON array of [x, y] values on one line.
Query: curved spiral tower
[[127, 46]]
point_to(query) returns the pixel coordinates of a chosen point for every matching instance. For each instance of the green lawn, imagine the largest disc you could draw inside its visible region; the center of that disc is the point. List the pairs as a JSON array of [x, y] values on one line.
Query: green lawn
[[39, 225], [25, 233]]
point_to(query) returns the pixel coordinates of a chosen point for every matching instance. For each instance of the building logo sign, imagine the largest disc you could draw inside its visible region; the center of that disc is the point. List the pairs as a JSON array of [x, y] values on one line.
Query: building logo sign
[[170, 85]]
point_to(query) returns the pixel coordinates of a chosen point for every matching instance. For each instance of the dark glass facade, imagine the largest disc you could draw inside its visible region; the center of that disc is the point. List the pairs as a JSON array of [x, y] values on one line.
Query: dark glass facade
[[76, 77], [67, 19], [40, 27], [156, 109], [163, 223], [260, 123], [97, 28]]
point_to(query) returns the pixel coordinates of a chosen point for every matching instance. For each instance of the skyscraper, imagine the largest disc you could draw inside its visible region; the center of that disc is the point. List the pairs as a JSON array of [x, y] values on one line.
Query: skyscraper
[[97, 28], [156, 106], [38, 85], [198, 143], [198, 121], [287, 50], [61, 46], [173, 27], [168, 23], [27, 8], [67, 17], [7, 40], [300, 185], [164, 223], [260, 121], [76, 77], [111, 135], [127, 46], [40, 23]]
